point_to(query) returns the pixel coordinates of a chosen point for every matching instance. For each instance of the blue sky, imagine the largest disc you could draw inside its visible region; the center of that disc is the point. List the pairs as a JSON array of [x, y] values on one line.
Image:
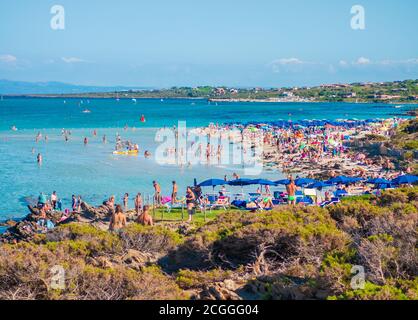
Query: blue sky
[[163, 43]]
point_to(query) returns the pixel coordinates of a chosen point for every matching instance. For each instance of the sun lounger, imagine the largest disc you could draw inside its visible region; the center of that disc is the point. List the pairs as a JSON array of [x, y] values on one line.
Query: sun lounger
[[178, 204], [222, 202]]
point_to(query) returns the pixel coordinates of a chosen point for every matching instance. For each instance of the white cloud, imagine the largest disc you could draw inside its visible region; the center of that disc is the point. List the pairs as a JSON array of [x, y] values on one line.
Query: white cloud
[[362, 61], [287, 61], [72, 60], [7, 58]]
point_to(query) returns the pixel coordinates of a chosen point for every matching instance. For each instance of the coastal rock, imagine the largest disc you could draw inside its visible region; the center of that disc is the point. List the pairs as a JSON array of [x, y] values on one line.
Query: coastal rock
[[101, 212], [219, 291], [8, 223]]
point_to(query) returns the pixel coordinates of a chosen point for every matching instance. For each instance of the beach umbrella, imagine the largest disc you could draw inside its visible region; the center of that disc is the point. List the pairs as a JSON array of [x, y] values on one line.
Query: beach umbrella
[[339, 180], [301, 182], [319, 184], [378, 181], [355, 179], [406, 179], [241, 183], [283, 182], [263, 182], [213, 183]]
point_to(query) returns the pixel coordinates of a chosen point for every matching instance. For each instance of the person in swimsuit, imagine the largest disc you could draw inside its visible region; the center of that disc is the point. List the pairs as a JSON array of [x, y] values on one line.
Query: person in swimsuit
[[125, 201], [145, 218], [138, 203], [291, 191], [190, 202], [174, 193], [157, 194], [118, 219], [39, 158], [54, 199]]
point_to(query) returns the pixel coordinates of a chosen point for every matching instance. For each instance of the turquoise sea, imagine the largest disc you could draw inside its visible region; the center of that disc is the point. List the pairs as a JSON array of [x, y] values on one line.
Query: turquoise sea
[[93, 172]]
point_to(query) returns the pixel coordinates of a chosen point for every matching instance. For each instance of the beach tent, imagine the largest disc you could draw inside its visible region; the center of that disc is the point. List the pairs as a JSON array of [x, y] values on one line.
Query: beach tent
[[407, 179], [301, 182]]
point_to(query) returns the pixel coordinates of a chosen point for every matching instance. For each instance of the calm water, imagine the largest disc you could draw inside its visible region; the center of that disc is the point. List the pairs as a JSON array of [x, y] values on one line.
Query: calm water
[[93, 172]]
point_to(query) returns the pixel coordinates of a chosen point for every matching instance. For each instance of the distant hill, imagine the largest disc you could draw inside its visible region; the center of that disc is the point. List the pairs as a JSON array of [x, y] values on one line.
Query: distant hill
[[21, 87]]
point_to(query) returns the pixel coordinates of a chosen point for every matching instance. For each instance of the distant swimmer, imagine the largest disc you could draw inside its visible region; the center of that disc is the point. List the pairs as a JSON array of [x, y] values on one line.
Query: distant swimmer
[[143, 120], [14, 128], [95, 132], [104, 139], [86, 141], [147, 154], [46, 138], [39, 158]]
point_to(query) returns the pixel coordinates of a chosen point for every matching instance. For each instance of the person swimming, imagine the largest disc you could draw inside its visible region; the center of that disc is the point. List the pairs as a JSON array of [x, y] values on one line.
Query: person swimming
[[39, 158], [143, 120]]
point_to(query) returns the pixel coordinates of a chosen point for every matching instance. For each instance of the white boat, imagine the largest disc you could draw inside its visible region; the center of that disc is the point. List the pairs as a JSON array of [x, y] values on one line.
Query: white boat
[[398, 107], [86, 111], [134, 100]]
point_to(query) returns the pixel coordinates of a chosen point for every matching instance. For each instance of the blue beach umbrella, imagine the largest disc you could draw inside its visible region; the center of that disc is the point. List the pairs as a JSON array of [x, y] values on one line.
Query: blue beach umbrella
[[241, 183], [378, 181], [319, 184], [301, 182], [263, 182], [283, 182], [407, 179], [213, 183], [339, 180], [355, 179]]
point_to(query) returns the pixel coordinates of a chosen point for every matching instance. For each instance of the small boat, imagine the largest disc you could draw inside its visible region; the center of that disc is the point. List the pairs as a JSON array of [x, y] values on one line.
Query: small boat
[[134, 100], [398, 107], [86, 111]]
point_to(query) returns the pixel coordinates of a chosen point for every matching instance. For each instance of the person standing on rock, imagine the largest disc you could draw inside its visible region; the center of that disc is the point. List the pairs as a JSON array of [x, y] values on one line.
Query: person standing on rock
[[54, 200], [73, 203], [157, 195], [138, 203], [174, 193], [125, 201], [118, 220]]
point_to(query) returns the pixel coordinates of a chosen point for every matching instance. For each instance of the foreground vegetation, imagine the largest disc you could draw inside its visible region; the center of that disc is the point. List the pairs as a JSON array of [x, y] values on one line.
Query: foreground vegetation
[[288, 253]]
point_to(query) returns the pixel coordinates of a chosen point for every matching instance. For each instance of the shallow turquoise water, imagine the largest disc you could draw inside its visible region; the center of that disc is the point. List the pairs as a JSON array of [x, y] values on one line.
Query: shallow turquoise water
[[93, 172]]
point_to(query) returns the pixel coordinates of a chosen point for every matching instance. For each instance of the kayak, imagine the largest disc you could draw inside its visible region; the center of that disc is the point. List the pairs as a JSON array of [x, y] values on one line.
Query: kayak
[[127, 153]]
